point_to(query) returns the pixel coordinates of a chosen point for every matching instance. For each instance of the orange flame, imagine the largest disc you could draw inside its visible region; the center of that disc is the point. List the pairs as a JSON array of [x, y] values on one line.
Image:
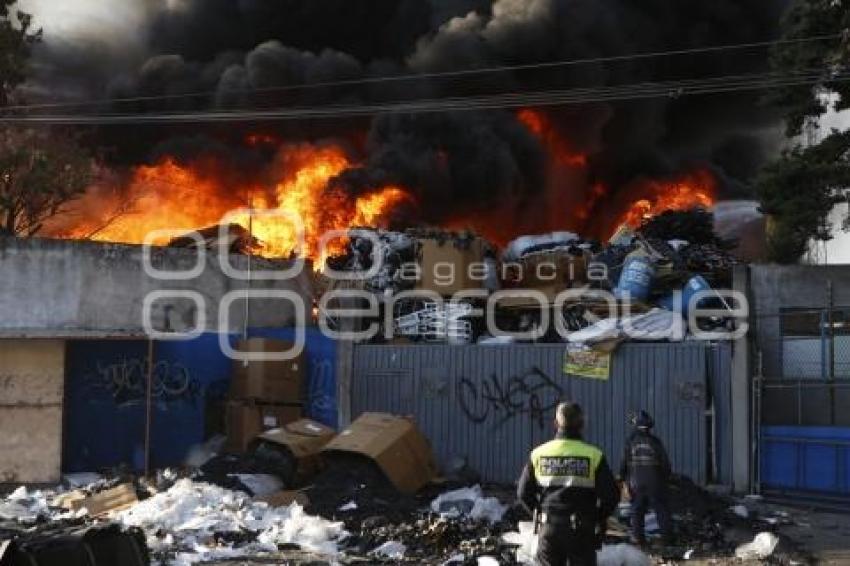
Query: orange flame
[[542, 128], [693, 190], [175, 197]]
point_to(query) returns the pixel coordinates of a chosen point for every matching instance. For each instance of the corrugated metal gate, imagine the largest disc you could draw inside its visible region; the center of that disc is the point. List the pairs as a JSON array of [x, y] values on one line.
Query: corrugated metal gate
[[492, 404]]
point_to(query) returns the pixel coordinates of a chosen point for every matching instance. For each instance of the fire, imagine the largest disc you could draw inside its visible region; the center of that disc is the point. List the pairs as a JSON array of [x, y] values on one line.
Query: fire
[[542, 128], [692, 190], [181, 198]]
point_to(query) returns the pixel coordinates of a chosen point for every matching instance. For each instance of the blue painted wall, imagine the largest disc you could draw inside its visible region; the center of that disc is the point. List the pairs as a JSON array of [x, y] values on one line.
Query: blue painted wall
[[814, 459], [105, 396]]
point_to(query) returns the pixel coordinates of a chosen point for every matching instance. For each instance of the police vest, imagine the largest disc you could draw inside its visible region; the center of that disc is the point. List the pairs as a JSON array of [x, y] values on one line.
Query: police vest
[[566, 463]]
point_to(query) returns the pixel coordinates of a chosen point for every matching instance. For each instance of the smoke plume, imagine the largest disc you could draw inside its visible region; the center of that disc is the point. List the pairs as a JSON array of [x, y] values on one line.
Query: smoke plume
[[228, 55]]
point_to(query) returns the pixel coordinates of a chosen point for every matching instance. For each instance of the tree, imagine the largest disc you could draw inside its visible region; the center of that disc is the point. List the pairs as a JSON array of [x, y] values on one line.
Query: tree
[[41, 172], [799, 190], [806, 19], [804, 185], [16, 40]]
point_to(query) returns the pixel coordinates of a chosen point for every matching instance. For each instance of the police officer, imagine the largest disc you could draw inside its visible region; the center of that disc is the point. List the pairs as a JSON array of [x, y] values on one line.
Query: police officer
[[646, 471], [569, 484]]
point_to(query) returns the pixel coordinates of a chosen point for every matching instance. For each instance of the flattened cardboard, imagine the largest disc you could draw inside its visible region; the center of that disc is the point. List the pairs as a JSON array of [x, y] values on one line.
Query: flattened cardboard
[[285, 498], [245, 420], [115, 499], [268, 381], [305, 439], [557, 268], [460, 256], [392, 442]]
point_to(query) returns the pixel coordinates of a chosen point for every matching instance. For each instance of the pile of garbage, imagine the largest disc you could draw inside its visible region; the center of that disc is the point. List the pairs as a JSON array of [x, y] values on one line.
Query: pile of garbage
[[660, 266], [380, 255], [358, 515], [371, 493]]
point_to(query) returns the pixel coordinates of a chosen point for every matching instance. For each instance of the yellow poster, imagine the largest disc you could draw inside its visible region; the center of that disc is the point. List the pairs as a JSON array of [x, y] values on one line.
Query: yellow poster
[[586, 362]]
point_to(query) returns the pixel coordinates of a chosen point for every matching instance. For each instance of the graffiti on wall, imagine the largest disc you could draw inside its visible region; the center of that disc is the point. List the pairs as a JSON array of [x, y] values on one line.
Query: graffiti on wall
[[531, 393], [126, 380]]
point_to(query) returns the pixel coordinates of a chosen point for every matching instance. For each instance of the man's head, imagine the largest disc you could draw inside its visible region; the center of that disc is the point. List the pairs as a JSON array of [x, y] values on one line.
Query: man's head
[[644, 421], [569, 417]]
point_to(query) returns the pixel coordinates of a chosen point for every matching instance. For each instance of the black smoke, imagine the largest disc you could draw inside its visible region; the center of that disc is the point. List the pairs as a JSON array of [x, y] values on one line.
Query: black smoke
[[229, 54]]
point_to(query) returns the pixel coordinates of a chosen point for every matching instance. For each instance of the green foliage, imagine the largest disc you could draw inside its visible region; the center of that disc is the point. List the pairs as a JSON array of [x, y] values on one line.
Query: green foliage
[[804, 185], [807, 19], [799, 190]]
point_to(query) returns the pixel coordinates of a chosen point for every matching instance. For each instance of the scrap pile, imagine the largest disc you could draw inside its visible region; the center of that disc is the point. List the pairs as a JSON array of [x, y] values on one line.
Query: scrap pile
[[370, 494], [367, 248], [657, 268]]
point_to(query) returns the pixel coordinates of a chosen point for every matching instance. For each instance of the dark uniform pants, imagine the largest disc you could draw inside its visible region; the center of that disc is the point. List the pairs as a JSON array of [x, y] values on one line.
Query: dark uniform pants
[[655, 498], [559, 545]]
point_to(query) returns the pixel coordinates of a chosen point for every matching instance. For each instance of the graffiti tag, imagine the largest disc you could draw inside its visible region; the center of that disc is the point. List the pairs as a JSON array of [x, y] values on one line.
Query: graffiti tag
[[532, 393], [126, 380]]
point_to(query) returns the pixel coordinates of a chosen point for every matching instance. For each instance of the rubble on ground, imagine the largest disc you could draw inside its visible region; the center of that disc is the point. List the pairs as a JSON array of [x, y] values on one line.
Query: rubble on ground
[[370, 494], [354, 514]]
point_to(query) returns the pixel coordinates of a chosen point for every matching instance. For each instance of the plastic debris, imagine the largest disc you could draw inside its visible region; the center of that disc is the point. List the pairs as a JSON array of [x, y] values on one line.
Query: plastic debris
[[487, 561], [525, 540], [688, 553], [437, 323], [24, 506], [260, 484], [760, 548], [740, 510], [350, 506], [525, 245], [186, 519], [470, 502], [390, 549], [609, 555], [657, 324], [81, 479]]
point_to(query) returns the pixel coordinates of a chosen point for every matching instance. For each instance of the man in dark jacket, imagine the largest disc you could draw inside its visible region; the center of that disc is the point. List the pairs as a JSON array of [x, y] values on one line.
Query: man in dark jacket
[[569, 484], [646, 471]]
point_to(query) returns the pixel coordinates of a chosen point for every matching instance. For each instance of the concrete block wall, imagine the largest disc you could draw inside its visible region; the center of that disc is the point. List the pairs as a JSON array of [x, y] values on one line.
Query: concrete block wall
[[56, 286]]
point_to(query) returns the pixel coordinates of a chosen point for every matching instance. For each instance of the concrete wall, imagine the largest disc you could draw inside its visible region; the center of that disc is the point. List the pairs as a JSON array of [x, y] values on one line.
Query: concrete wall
[[50, 287], [31, 393]]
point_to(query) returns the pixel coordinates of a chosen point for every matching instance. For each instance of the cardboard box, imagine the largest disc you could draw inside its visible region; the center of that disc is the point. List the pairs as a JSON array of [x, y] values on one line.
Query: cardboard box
[[268, 381], [245, 420], [304, 439], [447, 281], [115, 499], [394, 443], [285, 498], [559, 269]]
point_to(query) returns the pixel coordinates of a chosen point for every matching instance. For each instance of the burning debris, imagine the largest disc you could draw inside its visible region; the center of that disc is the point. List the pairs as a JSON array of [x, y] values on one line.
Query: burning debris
[[653, 271]]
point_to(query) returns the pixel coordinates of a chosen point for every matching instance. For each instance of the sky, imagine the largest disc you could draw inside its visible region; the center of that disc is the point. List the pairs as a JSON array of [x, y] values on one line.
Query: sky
[[73, 17]]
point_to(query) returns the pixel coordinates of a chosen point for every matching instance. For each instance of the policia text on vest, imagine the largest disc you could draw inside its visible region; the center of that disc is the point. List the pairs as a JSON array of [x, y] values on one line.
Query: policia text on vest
[[570, 486]]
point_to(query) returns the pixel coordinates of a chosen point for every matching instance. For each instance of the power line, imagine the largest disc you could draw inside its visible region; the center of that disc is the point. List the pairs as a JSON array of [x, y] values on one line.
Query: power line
[[675, 89], [436, 75]]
